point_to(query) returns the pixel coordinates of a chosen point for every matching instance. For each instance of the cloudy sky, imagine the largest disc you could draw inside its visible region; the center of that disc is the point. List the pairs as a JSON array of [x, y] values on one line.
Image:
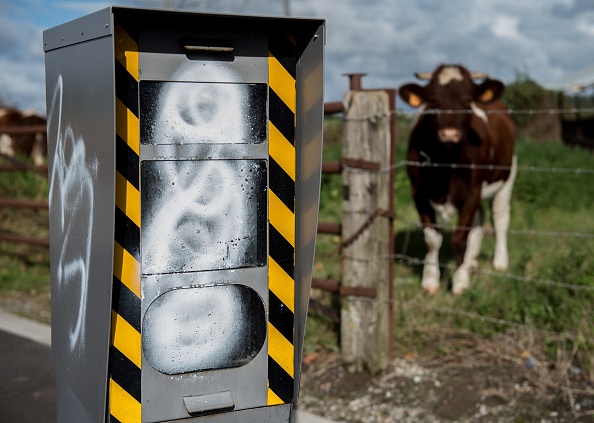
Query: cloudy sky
[[388, 40]]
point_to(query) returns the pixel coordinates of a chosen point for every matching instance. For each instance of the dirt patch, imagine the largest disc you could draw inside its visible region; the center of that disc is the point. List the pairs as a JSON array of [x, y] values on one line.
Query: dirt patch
[[34, 305], [473, 386]]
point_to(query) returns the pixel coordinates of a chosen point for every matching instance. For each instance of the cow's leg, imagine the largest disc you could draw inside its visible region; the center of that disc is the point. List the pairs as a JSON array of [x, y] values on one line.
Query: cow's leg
[[433, 240], [37, 151], [501, 217], [461, 277], [467, 246], [6, 146]]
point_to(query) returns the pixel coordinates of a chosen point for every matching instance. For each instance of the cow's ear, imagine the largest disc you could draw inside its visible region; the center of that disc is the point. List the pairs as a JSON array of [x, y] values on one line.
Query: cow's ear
[[412, 94], [489, 91]]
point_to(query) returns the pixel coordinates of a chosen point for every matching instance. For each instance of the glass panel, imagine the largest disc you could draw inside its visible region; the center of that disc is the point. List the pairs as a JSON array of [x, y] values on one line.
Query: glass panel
[[203, 215], [197, 112], [194, 329]]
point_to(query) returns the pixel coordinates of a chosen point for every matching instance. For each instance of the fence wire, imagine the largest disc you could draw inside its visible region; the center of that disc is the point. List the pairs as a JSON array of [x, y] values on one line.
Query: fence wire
[[473, 316], [491, 231], [522, 168], [551, 111], [413, 261]]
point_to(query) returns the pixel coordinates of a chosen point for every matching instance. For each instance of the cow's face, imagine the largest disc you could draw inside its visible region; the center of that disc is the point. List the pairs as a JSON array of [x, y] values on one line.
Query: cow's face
[[450, 99]]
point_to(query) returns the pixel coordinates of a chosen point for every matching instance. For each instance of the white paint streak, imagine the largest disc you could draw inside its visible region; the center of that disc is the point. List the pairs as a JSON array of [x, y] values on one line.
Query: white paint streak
[[71, 197], [192, 329], [201, 112], [205, 218]]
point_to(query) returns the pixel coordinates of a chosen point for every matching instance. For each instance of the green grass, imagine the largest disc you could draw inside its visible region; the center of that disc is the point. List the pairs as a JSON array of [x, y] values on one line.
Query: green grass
[[23, 185], [23, 268], [551, 204], [543, 201]]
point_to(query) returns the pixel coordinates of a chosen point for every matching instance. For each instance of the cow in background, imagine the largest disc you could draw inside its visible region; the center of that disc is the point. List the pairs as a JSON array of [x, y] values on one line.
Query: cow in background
[[463, 145], [33, 145]]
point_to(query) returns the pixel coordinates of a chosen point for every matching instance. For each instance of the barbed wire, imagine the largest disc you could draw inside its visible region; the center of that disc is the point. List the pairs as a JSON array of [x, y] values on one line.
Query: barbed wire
[[495, 167], [470, 315], [490, 230], [552, 111], [523, 168], [414, 261], [505, 275], [493, 320], [375, 119]]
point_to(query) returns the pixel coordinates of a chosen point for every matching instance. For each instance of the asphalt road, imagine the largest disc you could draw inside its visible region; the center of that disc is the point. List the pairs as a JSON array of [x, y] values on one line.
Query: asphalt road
[[27, 391], [28, 378]]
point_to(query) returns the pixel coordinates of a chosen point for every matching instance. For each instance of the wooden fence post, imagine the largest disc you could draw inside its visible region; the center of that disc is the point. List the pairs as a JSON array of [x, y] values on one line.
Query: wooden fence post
[[365, 230]]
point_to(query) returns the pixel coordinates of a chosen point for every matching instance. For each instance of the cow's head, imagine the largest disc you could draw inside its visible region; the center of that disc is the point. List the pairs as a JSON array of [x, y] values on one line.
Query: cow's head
[[451, 98]]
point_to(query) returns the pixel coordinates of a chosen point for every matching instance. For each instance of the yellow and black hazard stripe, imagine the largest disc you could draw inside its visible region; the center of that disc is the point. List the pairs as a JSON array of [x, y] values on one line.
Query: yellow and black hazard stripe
[[282, 104], [125, 349]]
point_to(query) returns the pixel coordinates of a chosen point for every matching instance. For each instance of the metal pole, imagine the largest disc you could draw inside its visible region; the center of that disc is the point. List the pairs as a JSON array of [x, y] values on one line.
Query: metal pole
[[287, 7]]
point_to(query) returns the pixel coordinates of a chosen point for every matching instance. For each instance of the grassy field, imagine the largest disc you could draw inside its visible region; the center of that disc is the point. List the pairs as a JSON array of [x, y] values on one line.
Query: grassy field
[[548, 291], [24, 269]]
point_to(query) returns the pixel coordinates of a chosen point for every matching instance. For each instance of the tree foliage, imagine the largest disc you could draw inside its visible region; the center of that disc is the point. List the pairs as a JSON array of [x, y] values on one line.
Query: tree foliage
[[524, 94]]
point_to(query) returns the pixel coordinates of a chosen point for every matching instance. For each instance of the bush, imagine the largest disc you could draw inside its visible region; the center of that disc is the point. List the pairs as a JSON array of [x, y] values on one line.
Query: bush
[[526, 94]]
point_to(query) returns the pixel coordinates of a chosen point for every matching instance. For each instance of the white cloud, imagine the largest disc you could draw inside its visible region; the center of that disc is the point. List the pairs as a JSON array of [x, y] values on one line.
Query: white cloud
[[506, 27], [22, 85], [586, 26], [387, 39]]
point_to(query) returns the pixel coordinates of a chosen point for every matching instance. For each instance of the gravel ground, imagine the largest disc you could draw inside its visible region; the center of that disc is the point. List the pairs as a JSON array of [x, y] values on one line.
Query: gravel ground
[[468, 388]]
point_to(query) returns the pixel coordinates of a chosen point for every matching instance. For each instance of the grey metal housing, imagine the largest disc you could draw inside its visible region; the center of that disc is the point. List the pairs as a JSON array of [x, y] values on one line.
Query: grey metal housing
[[81, 105]]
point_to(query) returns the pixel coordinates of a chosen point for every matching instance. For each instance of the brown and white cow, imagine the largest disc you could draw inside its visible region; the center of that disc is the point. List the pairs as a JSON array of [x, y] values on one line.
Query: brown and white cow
[[29, 144], [463, 144]]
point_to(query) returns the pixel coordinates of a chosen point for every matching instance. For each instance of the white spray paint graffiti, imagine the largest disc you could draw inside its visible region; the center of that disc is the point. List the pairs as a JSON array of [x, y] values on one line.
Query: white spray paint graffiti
[[183, 112], [201, 112], [201, 215], [71, 196], [211, 327], [189, 329]]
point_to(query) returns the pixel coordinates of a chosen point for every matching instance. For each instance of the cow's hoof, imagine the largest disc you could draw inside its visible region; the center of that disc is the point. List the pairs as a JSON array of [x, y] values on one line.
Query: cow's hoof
[[500, 265], [431, 290], [500, 260], [460, 281], [431, 284]]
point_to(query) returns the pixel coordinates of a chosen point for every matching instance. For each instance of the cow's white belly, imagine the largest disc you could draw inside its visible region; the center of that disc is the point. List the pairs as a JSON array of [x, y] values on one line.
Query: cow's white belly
[[444, 211], [447, 210]]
